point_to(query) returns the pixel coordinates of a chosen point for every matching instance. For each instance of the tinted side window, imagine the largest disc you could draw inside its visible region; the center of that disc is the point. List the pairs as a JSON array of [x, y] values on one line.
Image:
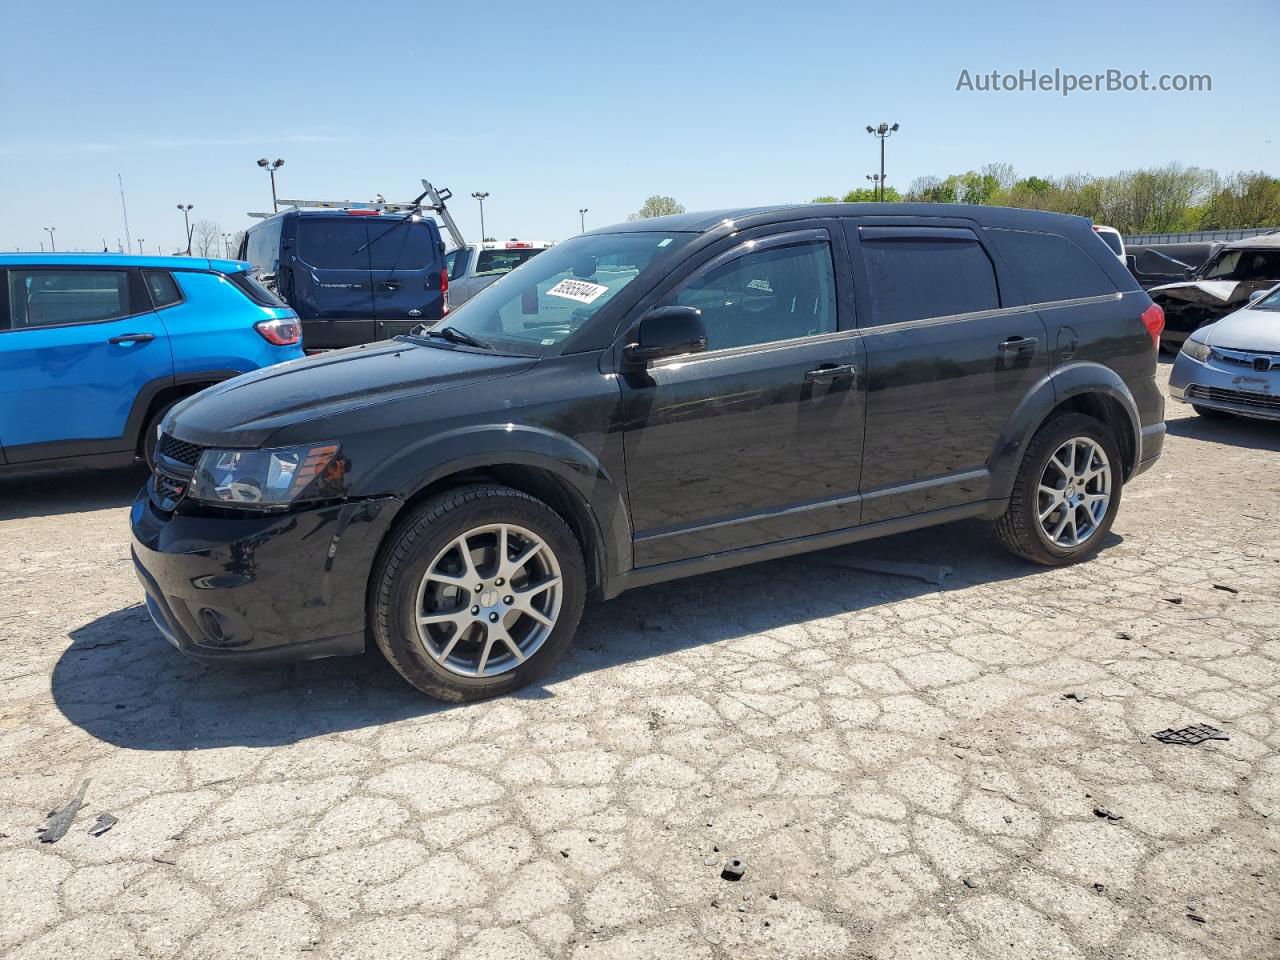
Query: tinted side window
[[42, 298], [455, 262], [1049, 267], [162, 287], [501, 261], [914, 278], [262, 245], [333, 244], [774, 294], [404, 245]]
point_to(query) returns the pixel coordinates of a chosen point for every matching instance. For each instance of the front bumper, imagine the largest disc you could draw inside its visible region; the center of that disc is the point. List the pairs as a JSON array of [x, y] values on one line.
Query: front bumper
[[263, 587], [1229, 387]]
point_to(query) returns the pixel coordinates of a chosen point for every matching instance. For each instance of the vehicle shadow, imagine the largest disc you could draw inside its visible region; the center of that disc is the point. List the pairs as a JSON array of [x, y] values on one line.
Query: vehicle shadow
[[1237, 431], [69, 491], [122, 683]]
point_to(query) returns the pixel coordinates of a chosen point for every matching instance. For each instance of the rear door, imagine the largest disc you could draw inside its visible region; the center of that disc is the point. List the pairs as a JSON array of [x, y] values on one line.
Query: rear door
[[947, 363], [329, 282], [81, 346], [405, 265]]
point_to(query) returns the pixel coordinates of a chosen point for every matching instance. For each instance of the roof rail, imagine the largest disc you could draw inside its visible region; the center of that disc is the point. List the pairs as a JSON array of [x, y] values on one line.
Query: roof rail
[[436, 205]]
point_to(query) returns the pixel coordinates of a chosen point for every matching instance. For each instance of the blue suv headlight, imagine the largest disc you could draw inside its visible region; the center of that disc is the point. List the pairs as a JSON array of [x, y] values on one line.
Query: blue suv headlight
[[269, 478], [1195, 349]]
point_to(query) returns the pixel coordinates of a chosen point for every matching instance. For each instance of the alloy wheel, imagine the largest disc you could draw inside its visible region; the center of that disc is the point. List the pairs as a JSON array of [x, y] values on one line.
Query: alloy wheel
[[489, 600], [1074, 492]]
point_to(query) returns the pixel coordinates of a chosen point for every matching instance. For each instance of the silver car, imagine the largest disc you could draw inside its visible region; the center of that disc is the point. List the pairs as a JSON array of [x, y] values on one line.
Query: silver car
[[1232, 367]]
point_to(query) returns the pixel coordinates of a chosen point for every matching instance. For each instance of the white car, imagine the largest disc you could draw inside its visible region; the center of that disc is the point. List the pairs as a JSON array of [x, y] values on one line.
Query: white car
[[475, 266], [1111, 237]]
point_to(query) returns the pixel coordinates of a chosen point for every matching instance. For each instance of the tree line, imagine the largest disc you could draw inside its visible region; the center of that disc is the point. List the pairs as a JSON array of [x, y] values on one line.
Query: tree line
[[1168, 199]]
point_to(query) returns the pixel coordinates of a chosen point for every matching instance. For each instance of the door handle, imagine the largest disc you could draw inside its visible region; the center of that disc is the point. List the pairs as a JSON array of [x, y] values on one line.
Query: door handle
[[831, 371], [1018, 344], [391, 284], [133, 338]]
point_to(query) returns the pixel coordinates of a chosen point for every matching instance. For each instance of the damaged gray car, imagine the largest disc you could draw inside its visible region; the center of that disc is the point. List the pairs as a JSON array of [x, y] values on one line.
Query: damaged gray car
[[1219, 287]]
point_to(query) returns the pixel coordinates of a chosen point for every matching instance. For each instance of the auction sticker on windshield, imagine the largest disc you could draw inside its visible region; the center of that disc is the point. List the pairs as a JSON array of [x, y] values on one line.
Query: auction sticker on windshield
[[579, 290]]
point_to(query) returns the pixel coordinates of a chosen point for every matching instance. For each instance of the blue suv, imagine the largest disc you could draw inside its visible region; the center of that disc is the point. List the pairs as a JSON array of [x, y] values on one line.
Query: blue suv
[[95, 348]]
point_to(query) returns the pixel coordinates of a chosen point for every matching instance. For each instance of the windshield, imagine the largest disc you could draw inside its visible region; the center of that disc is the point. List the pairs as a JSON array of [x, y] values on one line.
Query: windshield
[[1270, 302], [1243, 265], [531, 310]]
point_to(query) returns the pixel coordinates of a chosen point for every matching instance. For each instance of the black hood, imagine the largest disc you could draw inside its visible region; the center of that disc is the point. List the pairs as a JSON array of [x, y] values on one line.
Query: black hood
[[247, 410]]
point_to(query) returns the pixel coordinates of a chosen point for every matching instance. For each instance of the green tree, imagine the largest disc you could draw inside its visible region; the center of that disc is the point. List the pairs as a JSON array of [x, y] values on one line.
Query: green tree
[[657, 206]]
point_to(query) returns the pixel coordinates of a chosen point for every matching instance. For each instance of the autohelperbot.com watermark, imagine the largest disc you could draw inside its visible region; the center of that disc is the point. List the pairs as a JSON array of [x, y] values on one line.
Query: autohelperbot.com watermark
[[1065, 82]]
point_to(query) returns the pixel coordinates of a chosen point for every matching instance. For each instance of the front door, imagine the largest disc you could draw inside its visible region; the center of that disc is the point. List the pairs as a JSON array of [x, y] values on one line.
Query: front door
[[758, 439], [82, 343], [947, 364]]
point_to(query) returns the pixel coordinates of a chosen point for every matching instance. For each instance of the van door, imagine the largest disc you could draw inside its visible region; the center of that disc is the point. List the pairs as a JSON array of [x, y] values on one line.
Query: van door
[[947, 364], [328, 281], [81, 347], [405, 264]]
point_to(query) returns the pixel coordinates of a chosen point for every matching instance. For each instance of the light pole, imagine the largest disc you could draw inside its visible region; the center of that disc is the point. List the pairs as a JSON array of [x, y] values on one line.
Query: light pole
[[582, 218], [140, 250], [52, 245], [481, 197], [271, 168], [226, 245], [877, 189], [186, 223], [882, 133]]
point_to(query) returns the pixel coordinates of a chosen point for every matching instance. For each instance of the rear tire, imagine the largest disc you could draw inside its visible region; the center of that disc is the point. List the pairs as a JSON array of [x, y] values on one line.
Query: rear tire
[[459, 640], [1209, 413], [1056, 516]]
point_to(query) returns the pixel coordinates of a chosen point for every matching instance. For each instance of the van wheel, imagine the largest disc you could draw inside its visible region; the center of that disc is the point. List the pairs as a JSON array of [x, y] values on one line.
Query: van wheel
[[1066, 494], [477, 593]]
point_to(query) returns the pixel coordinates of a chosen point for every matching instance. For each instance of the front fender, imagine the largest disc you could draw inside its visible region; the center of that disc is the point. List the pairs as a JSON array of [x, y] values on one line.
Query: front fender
[[1062, 384], [484, 446]]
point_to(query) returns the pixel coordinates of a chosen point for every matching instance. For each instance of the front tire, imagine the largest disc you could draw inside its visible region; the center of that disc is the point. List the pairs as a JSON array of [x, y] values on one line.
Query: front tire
[[477, 593], [1066, 493]]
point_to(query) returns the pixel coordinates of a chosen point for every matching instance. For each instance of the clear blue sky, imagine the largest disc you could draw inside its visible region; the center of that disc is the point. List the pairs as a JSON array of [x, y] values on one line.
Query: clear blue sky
[[552, 106]]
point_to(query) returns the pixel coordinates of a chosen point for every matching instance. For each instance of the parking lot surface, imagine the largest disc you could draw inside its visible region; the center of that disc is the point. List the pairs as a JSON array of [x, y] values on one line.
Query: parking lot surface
[[906, 770]]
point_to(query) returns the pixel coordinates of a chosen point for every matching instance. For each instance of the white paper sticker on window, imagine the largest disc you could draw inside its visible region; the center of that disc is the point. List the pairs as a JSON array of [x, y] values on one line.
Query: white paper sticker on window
[[579, 290]]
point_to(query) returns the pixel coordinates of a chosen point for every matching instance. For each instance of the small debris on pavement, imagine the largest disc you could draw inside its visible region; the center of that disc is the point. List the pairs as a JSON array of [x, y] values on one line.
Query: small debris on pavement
[[709, 861], [1099, 888], [172, 863], [104, 823], [59, 821], [1176, 600], [564, 853], [1195, 917], [1106, 814], [928, 572], [733, 869], [1224, 588], [972, 885], [1077, 697], [1190, 736]]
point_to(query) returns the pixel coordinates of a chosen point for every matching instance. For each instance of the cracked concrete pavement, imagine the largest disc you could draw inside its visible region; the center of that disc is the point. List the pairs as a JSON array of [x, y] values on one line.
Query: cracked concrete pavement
[[894, 761]]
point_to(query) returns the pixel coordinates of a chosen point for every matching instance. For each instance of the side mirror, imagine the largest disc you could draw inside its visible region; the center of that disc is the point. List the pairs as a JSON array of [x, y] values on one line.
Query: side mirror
[[666, 332], [1257, 295]]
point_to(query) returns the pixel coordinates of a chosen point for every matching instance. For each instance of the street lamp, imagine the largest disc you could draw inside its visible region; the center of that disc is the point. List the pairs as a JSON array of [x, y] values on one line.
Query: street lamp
[[877, 189], [140, 250], [52, 246], [582, 218], [882, 133], [226, 245], [271, 168], [186, 223], [481, 197]]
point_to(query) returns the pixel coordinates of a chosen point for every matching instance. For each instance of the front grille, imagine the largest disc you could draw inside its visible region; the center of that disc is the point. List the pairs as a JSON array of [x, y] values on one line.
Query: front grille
[[169, 489], [179, 450], [1242, 398], [1255, 361]]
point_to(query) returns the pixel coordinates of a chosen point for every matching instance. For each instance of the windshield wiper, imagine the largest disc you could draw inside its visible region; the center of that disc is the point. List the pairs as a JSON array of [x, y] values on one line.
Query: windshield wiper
[[454, 335]]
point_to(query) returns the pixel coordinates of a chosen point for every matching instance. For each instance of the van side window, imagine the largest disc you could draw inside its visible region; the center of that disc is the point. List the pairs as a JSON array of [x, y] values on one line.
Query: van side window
[[333, 244], [912, 278], [401, 245], [51, 297], [1049, 267], [162, 287], [774, 294], [262, 245]]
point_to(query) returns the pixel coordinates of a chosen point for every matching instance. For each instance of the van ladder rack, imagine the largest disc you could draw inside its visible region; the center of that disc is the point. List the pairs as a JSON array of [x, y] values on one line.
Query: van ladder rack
[[437, 206]]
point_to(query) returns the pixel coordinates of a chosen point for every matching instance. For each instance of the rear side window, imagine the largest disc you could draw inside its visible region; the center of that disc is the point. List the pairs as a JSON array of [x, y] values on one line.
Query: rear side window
[[162, 287], [1049, 267], [51, 297], [262, 245], [254, 290], [455, 261], [333, 244], [915, 277], [1112, 240], [403, 245], [501, 261]]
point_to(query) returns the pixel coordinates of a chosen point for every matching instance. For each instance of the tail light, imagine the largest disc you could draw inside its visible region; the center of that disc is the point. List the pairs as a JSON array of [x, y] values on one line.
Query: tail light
[[1153, 320], [281, 333], [444, 291]]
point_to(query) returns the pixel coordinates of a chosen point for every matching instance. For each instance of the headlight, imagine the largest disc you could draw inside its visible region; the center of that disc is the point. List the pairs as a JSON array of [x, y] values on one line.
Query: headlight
[[269, 478], [1195, 349]]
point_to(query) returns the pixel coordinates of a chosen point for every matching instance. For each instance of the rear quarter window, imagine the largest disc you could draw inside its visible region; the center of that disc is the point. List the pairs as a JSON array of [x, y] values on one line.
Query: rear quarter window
[[254, 290], [1048, 267], [912, 279], [162, 287]]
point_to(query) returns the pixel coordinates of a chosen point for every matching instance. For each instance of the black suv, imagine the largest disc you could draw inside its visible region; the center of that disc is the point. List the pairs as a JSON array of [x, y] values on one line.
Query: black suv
[[650, 401]]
